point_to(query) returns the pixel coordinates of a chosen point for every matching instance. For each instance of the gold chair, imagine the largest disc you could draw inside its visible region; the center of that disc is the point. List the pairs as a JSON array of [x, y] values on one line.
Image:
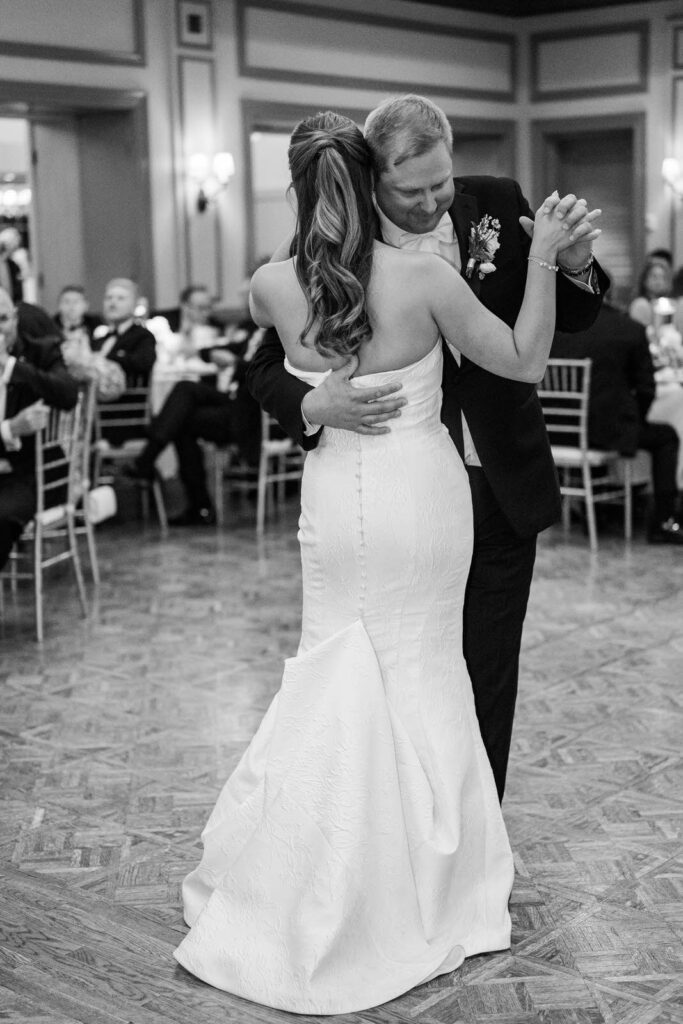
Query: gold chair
[[125, 421], [87, 454], [592, 475], [280, 461], [57, 489]]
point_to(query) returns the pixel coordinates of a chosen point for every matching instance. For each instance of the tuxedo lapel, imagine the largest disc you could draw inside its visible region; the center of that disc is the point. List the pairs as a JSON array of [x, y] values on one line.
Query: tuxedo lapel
[[464, 210]]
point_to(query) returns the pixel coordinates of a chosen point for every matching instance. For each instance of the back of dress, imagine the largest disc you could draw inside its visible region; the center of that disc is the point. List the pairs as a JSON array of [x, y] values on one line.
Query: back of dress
[[359, 849]]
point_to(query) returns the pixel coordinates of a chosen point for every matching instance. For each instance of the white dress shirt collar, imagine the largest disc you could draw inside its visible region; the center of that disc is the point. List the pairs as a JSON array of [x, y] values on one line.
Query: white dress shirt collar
[[396, 236]]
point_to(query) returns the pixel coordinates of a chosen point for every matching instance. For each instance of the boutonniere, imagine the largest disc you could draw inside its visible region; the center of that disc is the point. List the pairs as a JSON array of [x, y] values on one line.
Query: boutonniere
[[483, 246]]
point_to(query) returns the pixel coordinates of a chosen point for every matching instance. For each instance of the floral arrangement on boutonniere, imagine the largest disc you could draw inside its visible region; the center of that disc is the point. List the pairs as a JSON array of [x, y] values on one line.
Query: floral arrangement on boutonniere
[[483, 246]]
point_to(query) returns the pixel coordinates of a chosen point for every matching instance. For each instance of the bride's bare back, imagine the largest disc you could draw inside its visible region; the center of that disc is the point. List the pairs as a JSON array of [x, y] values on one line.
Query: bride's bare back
[[413, 297], [403, 328]]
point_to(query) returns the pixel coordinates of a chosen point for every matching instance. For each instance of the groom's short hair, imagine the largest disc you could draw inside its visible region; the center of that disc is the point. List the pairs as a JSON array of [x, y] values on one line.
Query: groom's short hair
[[404, 127]]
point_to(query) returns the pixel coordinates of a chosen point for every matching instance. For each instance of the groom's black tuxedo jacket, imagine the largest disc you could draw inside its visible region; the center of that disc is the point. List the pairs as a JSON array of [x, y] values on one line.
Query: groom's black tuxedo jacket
[[504, 416]]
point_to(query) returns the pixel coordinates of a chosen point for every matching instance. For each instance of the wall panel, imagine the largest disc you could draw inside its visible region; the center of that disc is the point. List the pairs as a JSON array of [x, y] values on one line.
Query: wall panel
[[198, 132], [604, 60], [80, 30], [306, 44]]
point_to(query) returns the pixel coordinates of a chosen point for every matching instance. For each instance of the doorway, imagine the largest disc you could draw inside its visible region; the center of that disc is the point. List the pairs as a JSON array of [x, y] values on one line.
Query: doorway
[[602, 159], [90, 216]]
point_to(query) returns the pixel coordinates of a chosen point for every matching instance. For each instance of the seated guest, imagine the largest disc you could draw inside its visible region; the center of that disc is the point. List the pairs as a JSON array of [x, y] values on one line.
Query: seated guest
[[123, 339], [35, 322], [656, 282], [195, 310], [32, 377], [197, 410], [77, 328], [72, 318], [622, 388]]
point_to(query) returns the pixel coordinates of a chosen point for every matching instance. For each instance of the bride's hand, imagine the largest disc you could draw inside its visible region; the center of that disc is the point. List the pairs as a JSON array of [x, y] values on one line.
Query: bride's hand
[[565, 225]]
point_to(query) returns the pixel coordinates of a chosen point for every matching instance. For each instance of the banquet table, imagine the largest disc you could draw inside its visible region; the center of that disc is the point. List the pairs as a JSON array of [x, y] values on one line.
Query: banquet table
[[668, 408]]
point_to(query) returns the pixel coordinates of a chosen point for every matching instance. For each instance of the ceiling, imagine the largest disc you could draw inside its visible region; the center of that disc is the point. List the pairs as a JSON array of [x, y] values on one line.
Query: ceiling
[[525, 8]]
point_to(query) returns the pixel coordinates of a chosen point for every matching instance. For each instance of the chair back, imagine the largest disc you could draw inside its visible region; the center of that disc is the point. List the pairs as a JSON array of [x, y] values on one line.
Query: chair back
[[85, 454], [128, 414], [564, 393], [57, 463]]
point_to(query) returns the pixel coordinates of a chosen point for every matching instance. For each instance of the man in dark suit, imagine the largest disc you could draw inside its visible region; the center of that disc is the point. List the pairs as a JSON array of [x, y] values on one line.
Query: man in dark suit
[[124, 340], [496, 424], [72, 318], [196, 410], [195, 310], [32, 377], [622, 389]]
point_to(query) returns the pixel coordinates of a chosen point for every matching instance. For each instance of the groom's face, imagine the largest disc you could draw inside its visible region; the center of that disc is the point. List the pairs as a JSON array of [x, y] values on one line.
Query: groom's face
[[416, 193]]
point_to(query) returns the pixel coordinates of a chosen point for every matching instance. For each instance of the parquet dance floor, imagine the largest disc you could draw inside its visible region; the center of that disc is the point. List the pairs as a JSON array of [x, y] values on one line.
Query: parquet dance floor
[[116, 738]]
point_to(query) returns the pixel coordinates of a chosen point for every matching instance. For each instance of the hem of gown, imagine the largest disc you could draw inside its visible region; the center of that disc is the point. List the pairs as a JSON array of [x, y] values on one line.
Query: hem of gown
[[383, 994]]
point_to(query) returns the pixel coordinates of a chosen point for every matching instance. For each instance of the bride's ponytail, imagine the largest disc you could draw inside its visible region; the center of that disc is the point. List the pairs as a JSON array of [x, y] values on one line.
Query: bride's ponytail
[[336, 228]]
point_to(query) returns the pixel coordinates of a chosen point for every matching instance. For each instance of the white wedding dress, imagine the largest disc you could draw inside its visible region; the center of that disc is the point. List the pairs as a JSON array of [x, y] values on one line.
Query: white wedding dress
[[358, 849]]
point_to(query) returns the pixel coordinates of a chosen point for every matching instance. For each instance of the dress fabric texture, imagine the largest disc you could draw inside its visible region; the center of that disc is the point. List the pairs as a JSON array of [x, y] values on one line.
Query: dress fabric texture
[[358, 849]]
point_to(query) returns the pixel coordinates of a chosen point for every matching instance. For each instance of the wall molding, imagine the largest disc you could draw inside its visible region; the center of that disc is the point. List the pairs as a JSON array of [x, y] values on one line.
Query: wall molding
[[544, 130], [641, 29], [40, 51], [311, 11], [188, 213], [677, 56], [676, 216]]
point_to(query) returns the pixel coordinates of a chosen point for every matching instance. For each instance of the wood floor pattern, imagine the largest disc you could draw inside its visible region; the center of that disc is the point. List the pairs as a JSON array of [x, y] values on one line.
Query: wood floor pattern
[[115, 739]]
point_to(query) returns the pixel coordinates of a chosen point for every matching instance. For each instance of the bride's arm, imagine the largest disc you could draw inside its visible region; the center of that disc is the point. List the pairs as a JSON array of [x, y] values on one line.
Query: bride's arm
[[520, 353]]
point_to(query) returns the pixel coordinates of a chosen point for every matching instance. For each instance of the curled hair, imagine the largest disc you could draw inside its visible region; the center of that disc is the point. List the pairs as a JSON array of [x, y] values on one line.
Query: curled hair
[[404, 127], [336, 228]]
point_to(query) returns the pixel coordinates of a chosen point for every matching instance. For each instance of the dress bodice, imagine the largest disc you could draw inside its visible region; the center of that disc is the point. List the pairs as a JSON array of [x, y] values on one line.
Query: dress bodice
[[420, 417]]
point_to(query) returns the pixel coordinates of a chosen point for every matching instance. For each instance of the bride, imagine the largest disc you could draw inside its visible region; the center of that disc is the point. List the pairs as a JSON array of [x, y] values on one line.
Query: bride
[[358, 849]]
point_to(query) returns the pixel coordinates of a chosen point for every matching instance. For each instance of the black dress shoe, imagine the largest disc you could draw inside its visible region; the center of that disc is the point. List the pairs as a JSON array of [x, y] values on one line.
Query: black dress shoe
[[669, 532], [194, 517]]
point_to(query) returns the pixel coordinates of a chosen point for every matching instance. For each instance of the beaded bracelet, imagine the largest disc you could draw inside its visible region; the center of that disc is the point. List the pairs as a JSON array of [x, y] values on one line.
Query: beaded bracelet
[[542, 263], [580, 271]]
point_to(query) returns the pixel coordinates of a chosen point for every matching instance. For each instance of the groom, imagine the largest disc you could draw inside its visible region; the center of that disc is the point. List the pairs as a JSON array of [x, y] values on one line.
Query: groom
[[496, 424]]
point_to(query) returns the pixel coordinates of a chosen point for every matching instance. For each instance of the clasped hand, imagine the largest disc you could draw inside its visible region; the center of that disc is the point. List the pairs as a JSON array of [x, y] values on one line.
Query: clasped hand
[[29, 420], [566, 226]]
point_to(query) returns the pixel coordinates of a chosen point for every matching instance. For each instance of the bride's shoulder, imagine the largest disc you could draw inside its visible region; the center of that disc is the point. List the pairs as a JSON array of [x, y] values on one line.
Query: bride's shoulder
[[270, 273], [400, 265], [270, 284]]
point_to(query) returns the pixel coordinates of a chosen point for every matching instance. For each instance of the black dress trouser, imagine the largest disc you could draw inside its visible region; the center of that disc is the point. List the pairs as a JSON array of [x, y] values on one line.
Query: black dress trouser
[[195, 410], [661, 441], [496, 600]]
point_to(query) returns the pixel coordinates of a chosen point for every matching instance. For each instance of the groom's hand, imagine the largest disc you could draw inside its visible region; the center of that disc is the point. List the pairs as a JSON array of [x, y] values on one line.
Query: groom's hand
[[336, 403], [578, 224]]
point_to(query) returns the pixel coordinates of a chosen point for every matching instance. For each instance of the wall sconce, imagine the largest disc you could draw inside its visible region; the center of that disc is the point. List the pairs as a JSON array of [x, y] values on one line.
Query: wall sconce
[[211, 175], [673, 175]]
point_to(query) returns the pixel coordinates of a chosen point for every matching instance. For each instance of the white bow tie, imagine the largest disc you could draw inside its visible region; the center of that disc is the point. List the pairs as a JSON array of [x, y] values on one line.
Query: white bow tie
[[430, 241]]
